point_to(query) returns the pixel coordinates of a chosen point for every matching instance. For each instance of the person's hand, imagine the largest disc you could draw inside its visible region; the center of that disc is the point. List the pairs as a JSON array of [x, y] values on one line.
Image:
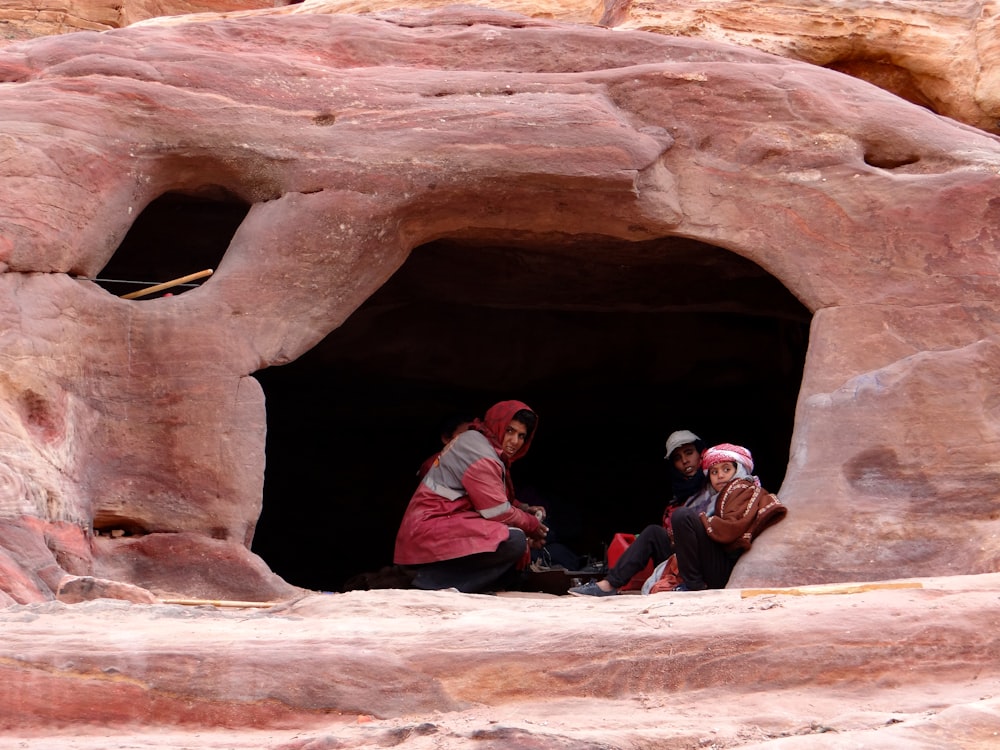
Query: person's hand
[[537, 539], [535, 510]]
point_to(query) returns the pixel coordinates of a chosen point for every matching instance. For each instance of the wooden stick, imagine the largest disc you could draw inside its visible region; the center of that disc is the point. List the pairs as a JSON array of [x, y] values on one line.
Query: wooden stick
[[833, 588], [217, 603], [169, 284]]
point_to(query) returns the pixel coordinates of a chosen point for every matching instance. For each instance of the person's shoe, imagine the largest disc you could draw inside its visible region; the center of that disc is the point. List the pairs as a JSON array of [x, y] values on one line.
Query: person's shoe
[[591, 589], [688, 587]]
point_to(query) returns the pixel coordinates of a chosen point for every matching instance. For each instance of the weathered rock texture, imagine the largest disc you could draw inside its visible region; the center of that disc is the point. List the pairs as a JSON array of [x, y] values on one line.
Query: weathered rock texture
[[911, 668], [944, 56], [354, 140], [20, 20]]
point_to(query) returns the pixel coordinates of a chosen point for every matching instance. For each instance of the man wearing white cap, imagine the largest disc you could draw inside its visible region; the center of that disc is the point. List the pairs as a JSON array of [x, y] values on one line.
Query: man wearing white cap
[[708, 544], [689, 488]]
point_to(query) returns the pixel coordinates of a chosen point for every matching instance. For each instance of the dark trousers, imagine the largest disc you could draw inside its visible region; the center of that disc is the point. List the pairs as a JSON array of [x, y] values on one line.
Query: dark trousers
[[475, 573], [652, 544], [702, 562]]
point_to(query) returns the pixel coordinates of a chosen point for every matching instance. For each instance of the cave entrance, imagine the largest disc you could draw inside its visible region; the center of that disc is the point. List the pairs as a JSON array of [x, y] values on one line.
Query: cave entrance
[[614, 344], [176, 235]]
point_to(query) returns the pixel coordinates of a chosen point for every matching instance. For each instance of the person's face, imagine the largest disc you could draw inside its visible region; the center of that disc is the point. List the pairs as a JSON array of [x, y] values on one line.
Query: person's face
[[514, 437], [686, 460], [721, 473]]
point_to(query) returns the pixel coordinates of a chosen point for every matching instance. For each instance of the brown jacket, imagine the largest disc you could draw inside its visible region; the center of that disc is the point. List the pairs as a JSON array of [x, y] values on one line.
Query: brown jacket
[[742, 510]]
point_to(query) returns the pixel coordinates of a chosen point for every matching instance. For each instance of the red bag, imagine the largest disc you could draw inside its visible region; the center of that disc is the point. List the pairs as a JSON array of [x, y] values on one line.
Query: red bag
[[619, 544]]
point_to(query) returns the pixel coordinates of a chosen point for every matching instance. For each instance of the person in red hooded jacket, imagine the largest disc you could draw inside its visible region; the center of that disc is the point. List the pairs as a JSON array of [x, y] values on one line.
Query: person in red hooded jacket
[[463, 527]]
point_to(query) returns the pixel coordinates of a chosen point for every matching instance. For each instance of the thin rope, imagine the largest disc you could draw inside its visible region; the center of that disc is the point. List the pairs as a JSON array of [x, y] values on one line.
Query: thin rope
[[126, 281]]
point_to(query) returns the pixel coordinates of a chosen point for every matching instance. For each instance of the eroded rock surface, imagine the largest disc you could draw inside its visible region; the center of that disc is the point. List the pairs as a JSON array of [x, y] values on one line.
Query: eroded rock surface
[[355, 139], [23, 20], [132, 433], [911, 664], [941, 56]]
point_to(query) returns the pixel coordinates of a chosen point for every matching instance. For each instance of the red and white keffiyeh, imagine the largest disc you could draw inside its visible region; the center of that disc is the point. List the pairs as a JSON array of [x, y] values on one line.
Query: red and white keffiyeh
[[727, 452]]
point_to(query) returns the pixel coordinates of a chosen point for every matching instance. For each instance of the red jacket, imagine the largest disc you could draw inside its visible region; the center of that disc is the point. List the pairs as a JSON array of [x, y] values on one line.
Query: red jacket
[[465, 502]]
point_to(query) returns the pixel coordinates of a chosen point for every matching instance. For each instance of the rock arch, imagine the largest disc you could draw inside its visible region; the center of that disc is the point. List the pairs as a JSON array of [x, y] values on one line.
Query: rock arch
[[874, 213]]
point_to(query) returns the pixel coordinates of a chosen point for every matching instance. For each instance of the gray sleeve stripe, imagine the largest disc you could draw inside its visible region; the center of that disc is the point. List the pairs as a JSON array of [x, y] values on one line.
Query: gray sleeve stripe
[[441, 489], [496, 510]]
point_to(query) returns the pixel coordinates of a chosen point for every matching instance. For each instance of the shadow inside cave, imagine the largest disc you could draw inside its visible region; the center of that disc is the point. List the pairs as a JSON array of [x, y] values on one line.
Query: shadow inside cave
[[614, 344]]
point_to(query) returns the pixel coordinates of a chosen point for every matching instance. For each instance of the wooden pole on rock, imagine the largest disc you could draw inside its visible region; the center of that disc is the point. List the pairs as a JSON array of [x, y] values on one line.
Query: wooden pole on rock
[[168, 284]]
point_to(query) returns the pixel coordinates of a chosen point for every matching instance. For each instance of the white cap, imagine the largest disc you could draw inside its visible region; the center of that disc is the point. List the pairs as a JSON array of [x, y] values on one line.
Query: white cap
[[679, 438]]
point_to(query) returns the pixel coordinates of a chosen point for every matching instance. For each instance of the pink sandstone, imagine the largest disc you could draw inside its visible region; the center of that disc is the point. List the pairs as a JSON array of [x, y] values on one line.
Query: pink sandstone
[[908, 666], [942, 56], [633, 136], [878, 215]]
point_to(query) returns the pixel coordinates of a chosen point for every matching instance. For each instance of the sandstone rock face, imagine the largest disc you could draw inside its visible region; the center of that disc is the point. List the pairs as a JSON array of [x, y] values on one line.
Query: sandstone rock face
[[20, 21], [943, 56], [354, 140], [830, 668], [132, 433]]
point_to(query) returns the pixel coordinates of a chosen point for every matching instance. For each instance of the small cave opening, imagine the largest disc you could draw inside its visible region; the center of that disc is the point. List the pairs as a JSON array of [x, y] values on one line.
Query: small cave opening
[[614, 344], [177, 235]]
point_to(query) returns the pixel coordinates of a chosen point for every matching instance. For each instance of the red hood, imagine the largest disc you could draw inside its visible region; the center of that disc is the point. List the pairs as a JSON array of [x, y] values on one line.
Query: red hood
[[498, 417]]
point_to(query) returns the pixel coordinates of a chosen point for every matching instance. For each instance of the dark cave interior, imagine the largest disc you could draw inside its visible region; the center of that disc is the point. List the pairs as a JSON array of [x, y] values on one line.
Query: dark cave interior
[[615, 344]]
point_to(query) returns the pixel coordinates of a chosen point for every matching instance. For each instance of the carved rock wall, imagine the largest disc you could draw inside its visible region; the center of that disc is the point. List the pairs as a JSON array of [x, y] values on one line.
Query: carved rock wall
[[944, 57], [20, 21], [356, 139], [941, 56]]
